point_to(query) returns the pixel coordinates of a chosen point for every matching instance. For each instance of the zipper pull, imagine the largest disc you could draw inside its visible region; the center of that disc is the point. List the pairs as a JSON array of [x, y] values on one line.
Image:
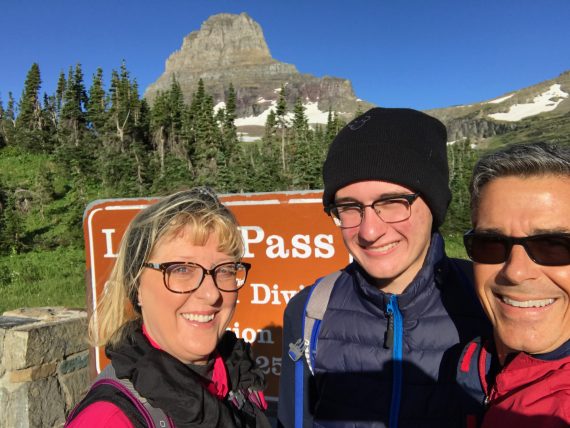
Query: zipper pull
[[389, 335]]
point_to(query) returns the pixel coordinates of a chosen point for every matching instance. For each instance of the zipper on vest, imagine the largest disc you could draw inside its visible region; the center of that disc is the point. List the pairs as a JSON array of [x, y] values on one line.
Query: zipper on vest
[[389, 336], [395, 326]]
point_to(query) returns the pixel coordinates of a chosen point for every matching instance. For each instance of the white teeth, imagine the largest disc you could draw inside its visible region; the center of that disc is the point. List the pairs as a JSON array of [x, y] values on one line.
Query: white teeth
[[198, 317], [527, 303], [385, 247]]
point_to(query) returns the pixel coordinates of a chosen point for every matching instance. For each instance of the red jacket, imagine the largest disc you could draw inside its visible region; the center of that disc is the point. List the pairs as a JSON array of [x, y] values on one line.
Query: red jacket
[[528, 391]]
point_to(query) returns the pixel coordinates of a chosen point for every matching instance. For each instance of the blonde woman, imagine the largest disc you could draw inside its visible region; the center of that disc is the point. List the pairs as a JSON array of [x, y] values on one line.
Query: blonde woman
[[163, 319]]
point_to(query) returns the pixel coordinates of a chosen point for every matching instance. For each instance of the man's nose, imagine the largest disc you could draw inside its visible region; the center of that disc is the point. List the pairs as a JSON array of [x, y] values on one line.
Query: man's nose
[[519, 267], [372, 226]]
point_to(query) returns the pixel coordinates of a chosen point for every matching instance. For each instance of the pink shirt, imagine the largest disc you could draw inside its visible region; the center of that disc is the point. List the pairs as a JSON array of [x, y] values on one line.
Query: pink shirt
[[101, 415]]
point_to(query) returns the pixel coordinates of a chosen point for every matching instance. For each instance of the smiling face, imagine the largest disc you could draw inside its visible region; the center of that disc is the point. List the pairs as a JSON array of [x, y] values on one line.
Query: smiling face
[[187, 326], [528, 304], [391, 253]]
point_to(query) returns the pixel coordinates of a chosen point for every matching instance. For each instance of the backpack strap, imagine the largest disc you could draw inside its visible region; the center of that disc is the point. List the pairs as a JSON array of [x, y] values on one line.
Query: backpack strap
[[313, 313], [472, 369], [154, 416]]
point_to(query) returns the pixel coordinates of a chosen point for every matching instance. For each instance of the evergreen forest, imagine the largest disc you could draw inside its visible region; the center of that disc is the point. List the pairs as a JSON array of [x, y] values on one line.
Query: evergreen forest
[[101, 139]]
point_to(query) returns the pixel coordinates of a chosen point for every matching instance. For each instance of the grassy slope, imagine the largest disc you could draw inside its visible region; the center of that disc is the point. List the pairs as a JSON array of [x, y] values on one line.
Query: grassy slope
[[49, 277], [547, 128]]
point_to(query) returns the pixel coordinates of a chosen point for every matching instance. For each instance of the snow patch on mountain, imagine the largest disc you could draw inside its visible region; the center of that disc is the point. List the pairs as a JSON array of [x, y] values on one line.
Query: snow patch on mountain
[[500, 100], [312, 112], [547, 101]]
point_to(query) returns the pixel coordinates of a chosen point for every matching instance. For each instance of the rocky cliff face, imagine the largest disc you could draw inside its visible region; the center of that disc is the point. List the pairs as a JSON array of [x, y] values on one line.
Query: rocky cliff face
[[232, 49]]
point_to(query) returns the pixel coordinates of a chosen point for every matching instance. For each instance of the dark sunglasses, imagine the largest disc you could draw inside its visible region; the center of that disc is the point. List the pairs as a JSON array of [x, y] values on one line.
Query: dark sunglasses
[[549, 249]]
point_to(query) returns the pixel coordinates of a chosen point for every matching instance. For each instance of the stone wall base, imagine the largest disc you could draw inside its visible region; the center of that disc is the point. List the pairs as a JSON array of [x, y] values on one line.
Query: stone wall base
[[44, 362]]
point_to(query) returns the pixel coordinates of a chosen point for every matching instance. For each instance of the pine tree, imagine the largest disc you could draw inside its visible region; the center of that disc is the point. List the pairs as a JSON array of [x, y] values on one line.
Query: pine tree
[[229, 131], [8, 122], [50, 123], [167, 121], [281, 116], [302, 149], [461, 158], [96, 107], [123, 111], [300, 123], [124, 158], [270, 126], [29, 108], [29, 123], [2, 114], [11, 224], [207, 143], [59, 92], [159, 128], [176, 112], [73, 117], [332, 128]]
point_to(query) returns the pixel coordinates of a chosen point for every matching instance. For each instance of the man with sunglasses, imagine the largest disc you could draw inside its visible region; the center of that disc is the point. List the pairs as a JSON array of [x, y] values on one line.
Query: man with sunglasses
[[520, 246], [396, 312]]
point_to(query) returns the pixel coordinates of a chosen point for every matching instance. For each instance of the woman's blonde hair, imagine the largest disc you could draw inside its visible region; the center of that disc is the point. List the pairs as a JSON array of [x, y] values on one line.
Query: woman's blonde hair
[[198, 208]]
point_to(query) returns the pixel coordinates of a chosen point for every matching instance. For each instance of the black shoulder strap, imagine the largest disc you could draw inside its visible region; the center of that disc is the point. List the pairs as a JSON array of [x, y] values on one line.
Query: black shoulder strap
[[107, 387], [154, 415], [110, 394]]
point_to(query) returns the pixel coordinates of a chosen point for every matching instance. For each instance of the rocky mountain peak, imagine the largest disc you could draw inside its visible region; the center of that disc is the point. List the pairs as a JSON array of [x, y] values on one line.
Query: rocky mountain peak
[[231, 49], [223, 40]]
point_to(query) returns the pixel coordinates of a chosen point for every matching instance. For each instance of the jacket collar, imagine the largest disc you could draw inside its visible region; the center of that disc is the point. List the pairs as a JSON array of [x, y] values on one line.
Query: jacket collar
[[420, 287]]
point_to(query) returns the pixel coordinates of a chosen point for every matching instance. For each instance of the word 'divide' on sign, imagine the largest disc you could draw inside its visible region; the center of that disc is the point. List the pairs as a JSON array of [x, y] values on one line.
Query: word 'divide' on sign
[[263, 295]]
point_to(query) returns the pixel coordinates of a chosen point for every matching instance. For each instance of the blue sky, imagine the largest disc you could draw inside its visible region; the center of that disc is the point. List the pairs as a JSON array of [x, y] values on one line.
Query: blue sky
[[416, 53]]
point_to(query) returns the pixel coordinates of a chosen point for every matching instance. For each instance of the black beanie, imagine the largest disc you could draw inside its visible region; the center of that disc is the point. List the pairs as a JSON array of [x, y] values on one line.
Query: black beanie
[[402, 146]]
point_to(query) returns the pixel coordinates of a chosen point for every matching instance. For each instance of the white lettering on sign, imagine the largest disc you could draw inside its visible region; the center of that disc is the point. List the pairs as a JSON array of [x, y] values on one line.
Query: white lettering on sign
[[247, 240], [262, 294], [300, 247], [269, 366], [109, 253], [276, 247], [324, 248], [250, 335]]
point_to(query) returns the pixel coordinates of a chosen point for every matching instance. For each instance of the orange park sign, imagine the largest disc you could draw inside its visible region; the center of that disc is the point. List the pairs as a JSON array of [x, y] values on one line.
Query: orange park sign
[[289, 241]]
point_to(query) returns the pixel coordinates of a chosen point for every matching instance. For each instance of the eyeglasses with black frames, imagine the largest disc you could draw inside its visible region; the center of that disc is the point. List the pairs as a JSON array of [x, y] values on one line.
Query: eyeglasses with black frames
[[548, 249], [391, 209], [185, 277]]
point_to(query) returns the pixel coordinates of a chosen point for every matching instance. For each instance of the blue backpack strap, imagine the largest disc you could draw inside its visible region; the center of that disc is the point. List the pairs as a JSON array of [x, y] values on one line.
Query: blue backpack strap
[[315, 307]]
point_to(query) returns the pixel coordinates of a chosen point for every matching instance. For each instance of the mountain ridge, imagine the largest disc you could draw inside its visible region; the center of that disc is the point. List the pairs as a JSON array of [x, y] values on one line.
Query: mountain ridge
[[507, 112], [231, 48]]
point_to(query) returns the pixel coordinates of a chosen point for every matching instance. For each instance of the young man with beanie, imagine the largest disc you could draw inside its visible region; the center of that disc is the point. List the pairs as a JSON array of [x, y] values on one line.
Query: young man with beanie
[[397, 314]]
